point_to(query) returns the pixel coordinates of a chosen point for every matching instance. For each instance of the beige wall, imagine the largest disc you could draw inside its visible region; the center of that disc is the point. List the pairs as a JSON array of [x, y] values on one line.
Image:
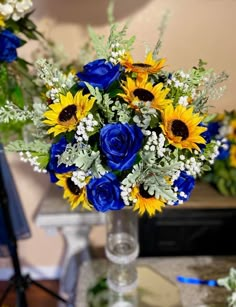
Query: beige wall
[[196, 29]]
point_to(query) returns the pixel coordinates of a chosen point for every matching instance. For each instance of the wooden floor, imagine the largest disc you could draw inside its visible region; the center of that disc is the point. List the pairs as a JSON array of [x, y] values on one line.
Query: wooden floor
[[35, 296]]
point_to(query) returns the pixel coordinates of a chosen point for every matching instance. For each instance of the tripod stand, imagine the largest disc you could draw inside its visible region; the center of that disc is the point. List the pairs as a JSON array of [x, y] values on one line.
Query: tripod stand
[[18, 281]]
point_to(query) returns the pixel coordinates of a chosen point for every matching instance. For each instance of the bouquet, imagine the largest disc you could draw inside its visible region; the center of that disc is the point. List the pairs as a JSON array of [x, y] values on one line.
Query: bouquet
[[16, 86], [223, 173], [123, 132]]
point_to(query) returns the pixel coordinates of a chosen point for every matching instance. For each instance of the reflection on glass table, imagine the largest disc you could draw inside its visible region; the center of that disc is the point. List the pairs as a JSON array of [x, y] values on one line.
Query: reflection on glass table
[[157, 285]]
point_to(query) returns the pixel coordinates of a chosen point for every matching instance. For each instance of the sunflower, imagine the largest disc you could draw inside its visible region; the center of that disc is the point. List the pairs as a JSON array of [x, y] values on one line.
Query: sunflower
[[72, 192], [180, 126], [232, 156], [232, 134], [66, 114], [141, 90], [150, 66], [145, 202]]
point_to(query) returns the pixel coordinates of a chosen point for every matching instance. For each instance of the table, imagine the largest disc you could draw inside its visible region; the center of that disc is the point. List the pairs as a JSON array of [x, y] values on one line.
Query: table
[[206, 267], [75, 226]]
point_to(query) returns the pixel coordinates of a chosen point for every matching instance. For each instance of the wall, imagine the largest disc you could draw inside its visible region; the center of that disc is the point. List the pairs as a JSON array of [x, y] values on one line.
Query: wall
[[196, 29]]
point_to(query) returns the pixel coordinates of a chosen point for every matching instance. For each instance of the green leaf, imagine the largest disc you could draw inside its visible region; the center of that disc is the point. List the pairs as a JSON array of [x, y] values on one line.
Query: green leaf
[[17, 96], [221, 186], [206, 168], [43, 160]]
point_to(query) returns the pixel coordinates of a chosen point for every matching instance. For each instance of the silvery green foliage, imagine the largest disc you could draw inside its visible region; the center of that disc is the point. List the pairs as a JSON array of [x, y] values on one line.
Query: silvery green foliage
[[157, 172], [35, 146], [97, 168], [50, 75], [212, 82], [210, 90], [209, 82], [105, 105], [116, 40], [71, 153], [113, 111], [122, 111], [132, 178], [155, 179], [229, 283], [84, 158], [162, 28], [11, 112], [38, 110], [104, 102], [232, 300], [145, 116]]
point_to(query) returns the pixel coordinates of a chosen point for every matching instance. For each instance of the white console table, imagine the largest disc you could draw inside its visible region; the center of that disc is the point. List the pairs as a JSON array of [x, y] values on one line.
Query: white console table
[[55, 213]]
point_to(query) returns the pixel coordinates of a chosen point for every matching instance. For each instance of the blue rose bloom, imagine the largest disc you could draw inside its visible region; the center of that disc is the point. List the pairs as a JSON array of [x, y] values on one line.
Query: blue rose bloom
[[185, 184], [56, 150], [224, 150], [120, 144], [213, 128], [8, 44], [104, 193], [99, 73], [207, 135]]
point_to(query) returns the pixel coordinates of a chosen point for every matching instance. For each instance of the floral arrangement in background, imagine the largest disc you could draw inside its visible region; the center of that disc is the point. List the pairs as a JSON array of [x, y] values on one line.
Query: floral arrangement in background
[[20, 91], [16, 86], [223, 173], [122, 132]]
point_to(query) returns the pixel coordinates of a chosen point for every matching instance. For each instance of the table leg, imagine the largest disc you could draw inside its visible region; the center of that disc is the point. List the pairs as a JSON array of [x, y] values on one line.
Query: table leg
[[77, 251]]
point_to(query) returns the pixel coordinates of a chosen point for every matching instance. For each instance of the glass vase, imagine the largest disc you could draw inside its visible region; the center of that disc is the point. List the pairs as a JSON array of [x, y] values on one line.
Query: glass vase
[[122, 249]]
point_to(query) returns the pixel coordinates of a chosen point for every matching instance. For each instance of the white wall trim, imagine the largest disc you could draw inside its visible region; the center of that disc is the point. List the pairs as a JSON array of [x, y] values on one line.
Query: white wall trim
[[37, 273]]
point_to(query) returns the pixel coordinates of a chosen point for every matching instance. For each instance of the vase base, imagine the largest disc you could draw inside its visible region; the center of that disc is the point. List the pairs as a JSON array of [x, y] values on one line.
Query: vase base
[[122, 289], [151, 289], [122, 278]]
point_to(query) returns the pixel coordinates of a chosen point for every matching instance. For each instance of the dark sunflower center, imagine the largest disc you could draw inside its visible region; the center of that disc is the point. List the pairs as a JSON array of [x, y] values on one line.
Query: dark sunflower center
[[234, 132], [143, 192], [179, 128], [67, 113], [74, 189], [143, 95], [142, 65]]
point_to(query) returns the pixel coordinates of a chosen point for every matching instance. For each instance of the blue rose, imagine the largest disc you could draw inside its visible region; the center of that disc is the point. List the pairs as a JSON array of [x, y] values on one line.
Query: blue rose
[[104, 193], [207, 135], [56, 150], [99, 73], [184, 185], [119, 144], [224, 150], [8, 44], [213, 128]]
